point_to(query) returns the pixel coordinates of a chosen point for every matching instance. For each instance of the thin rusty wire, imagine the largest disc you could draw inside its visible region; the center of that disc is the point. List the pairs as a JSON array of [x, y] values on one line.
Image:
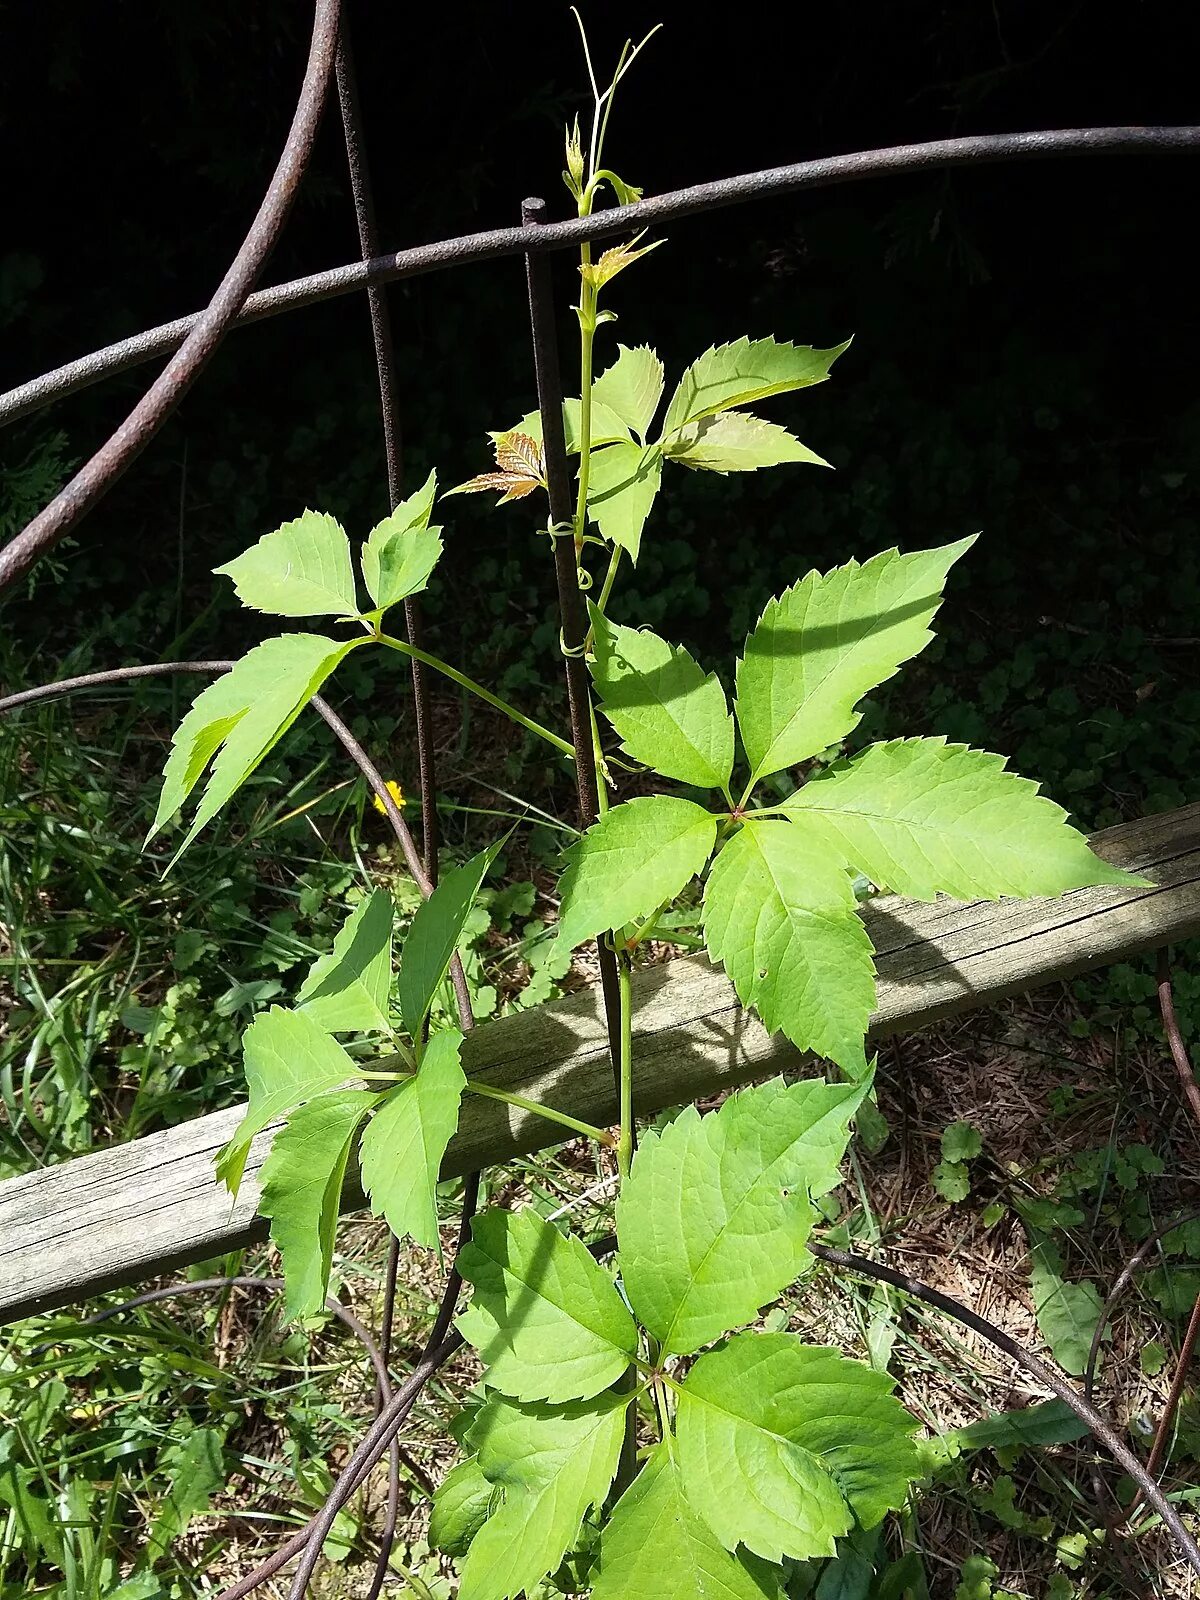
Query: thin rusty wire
[[389, 411], [1191, 1094], [800, 177], [99, 474], [1054, 1380]]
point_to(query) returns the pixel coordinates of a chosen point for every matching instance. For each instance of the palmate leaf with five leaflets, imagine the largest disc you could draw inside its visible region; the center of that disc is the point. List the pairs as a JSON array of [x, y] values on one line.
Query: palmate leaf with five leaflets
[[669, 713], [546, 1319], [742, 372], [714, 1218], [347, 990], [553, 1464], [779, 914], [701, 429], [657, 1544], [434, 935], [301, 570], [825, 643], [783, 1446], [239, 719], [637, 857], [405, 1141], [923, 817], [301, 1191], [288, 1059]]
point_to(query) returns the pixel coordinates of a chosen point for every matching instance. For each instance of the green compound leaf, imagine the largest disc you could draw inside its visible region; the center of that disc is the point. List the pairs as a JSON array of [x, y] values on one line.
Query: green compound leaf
[[738, 442], [1068, 1314], [740, 373], [657, 1544], [635, 859], [402, 1149], [401, 551], [553, 1464], [434, 935], [546, 1319], [923, 817], [668, 712], [631, 388], [623, 481], [779, 915], [461, 1505], [784, 1445], [347, 990], [714, 1218], [827, 641], [301, 570], [301, 1189], [288, 1059], [239, 719]]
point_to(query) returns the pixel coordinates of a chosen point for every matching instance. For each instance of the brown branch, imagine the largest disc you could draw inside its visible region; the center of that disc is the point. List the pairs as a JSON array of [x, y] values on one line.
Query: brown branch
[[1179, 1050], [99, 474]]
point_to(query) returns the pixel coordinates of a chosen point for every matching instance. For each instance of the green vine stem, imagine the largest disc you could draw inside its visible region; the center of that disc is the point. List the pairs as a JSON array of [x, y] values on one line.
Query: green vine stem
[[625, 1140], [587, 339], [470, 685], [600, 1135], [489, 1091]]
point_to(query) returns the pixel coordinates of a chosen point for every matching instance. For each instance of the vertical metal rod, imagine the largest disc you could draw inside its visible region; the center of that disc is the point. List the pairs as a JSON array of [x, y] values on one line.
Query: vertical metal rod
[[389, 409], [385, 366], [571, 606]]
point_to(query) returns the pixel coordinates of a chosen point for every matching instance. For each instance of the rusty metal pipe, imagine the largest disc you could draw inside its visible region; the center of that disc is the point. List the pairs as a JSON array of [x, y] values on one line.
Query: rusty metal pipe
[[205, 331]]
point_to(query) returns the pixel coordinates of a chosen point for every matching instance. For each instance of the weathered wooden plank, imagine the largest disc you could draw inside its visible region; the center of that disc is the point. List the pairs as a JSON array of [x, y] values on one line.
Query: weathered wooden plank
[[121, 1214]]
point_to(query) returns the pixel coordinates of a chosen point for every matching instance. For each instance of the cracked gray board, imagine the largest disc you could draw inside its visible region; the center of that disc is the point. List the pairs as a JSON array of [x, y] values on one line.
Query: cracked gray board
[[123, 1214]]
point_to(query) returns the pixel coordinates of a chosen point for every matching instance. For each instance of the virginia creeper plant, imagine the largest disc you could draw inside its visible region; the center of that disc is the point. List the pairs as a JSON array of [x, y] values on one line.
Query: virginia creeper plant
[[751, 1450]]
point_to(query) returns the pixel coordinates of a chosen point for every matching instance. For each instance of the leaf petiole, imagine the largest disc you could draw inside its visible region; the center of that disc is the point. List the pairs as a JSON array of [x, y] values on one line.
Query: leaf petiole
[[587, 1129], [625, 1142], [610, 577], [478, 689]]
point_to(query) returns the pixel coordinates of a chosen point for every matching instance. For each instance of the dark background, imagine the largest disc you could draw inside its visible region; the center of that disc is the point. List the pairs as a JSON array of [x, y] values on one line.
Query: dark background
[[1026, 336]]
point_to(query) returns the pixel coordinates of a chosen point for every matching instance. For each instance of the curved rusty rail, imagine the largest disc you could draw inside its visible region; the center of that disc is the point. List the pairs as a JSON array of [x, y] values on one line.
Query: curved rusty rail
[[936, 155], [204, 332]]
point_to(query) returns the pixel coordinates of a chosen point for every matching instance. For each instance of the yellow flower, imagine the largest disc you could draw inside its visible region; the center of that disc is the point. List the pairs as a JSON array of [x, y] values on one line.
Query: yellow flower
[[397, 794]]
